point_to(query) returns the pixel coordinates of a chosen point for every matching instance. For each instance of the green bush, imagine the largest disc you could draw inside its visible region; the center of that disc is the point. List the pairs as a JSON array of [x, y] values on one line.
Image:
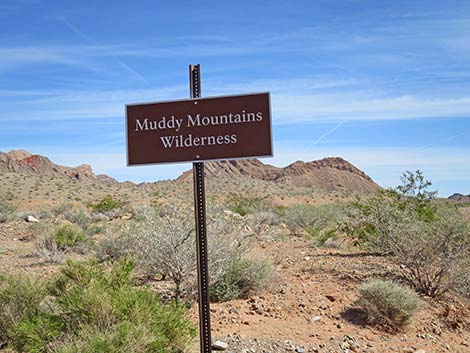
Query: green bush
[[241, 277], [68, 235], [164, 245], [431, 238], [243, 204], [33, 334], [312, 219], [326, 235], [20, 296], [7, 211], [387, 304], [92, 308], [107, 204]]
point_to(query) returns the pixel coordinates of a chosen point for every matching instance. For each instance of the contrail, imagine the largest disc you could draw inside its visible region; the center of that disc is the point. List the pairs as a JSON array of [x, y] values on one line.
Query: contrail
[[90, 40], [328, 133], [447, 139]]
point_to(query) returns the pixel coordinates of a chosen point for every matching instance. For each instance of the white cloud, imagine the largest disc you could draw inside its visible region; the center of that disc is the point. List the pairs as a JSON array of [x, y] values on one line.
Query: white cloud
[[305, 105]]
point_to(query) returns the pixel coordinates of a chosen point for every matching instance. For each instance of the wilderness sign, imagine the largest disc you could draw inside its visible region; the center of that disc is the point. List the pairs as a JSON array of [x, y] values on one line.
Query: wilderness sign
[[199, 129]]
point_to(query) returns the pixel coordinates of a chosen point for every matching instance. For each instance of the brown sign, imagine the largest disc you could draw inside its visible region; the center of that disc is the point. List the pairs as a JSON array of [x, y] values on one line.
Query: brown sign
[[199, 129]]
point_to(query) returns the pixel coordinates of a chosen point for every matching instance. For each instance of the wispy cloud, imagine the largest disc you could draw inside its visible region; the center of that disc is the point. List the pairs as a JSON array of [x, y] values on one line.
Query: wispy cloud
[[328, 133], [305, 105], [88, 39]]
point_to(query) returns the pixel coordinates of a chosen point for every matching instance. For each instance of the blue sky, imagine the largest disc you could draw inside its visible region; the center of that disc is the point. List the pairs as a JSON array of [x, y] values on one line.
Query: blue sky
[[384, 84]]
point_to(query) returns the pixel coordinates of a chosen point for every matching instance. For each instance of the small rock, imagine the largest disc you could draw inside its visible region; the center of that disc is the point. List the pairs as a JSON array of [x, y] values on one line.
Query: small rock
[[32, 219], [233, 310], [49, 306], [420, 351], [315, 318], [219, 346], [300, 350], [330, 298]]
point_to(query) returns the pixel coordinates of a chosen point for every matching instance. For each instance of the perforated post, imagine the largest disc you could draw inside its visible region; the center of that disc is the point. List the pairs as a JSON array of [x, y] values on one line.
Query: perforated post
[[201, 235]]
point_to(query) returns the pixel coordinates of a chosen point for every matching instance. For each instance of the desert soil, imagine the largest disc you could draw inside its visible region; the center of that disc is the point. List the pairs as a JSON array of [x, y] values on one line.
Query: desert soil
[[308, 308]]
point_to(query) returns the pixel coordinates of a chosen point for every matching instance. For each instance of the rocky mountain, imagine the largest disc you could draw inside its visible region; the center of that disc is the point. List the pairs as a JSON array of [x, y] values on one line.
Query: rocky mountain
[[460, 198], [20, 161], [333, 173], [328, 174]]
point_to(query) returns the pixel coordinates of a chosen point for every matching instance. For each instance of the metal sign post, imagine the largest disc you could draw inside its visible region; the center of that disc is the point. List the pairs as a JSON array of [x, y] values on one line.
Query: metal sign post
[[201, 235], [198, 130]]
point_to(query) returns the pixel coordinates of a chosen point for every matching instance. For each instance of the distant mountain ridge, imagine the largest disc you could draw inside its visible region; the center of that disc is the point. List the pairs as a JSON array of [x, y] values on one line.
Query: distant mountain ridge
[[460, 198], [328, 174], [21, 161], [332, 173]]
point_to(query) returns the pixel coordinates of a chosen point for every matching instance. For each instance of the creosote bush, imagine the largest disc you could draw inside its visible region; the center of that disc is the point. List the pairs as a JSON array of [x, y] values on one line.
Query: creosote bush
[[431, 238], [387, 304], [163, 243], [243, 204], [312, 219], [107, 204], [241, 277], [20, 295], [89, 308], [68, 235]]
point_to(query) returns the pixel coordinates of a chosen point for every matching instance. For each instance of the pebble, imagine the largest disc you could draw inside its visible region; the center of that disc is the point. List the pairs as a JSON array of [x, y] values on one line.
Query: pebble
[[219, 346], [32, 219]]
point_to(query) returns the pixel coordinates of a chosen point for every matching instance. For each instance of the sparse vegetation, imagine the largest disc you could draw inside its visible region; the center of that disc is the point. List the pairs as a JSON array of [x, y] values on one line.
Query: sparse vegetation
[[47, 248], [68, 235], [311, 220], [291, 237], [164, 244], [241, 277], [89, 308], [106, 204], [243, 204], [387, 304], [430, 238], [7, 211]]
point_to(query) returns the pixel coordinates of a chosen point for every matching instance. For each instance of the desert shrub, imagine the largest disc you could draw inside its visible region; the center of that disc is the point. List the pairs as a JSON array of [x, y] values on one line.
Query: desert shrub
[[33, 334], [52, 244], [61, 208], [387, 304], [164, 244], [47, 248], [244, 204], [325, 235], [7, 211], [107, 204], [241, 277], [68, 235], [259, 221], [92, 308], [430, 238], [459, 278], [20, 296], [82, 219], [308, 218]]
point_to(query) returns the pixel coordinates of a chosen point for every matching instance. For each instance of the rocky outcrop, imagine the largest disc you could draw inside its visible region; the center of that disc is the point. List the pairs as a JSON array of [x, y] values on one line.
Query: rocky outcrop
[[460, 198], [328, 174], [21, 161]]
